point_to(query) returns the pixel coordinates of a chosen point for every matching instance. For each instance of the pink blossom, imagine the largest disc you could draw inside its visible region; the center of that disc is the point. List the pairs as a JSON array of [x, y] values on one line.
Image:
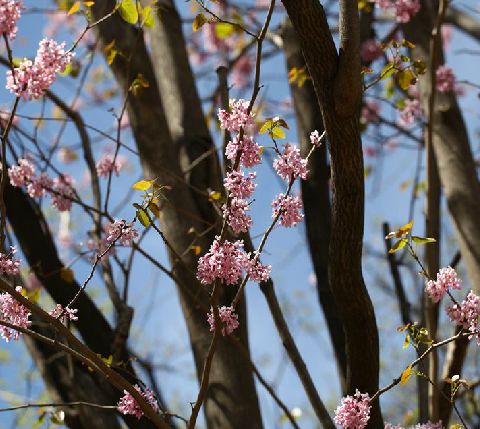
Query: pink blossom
[[411, 112], [353, 411], [107, 165], [9, 265], [228, 317], [445, 79], [68, 313], [370, 112], [316, 138], [30, 79], [63, 193], [466, 315], [447, 278], [224, 261], [239, 185], [258, 272], [250, 151], [289, 209], [13, 312], [237, 118], [236, 215], [370, 50], [10, 11], [39, 185], [405, 10], [21, 174], [290, 163], [128, 404], [122, 231], [446, 33]]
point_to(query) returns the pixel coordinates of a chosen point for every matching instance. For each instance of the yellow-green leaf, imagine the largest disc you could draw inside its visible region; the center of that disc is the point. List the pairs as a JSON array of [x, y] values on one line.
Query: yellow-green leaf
[[128, 11], [148, 19], [406, 78], [143, 218], [387, 71], [278, 133], [74, 8], [406, 375], [423, 240], [224, 30], [199, 22], [89, 3], [266, 126], [143, 185], [400, 244]]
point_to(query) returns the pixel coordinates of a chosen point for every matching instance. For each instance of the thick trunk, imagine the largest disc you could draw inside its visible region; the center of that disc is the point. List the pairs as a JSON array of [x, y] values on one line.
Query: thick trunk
[[315, 194], [168, 140], [336, 79]]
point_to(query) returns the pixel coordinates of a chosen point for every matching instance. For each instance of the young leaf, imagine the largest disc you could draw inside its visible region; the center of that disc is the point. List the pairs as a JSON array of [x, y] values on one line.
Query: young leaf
[[148, 20], [74, 8], [89, 3], [423, 240], [143, 185], [278, 133], [400, 244], [406, 78], [266, 126], [128, 11], [406, 375], [143, 218], [224, 30], [199, 21]]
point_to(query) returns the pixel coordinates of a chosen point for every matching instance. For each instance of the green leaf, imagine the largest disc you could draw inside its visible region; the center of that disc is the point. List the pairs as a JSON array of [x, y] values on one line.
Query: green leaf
[[266, 126], [74, 8], [387, 71], [400, 244], [143, 218], [128, 11], [199, 21], [423, 240], [224, 30], [406, 78]]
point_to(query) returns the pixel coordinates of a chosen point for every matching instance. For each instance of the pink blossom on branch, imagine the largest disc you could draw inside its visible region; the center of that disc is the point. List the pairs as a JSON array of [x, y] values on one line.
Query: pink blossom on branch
[[224, 261], [466, 314], [128, 404], [250, 151], [122, 231], [239, 185], [404, 9], [13, 312], [62, 194], [447, 278], [10, 12], [21, 174], [228, 317], [39, 185], [370, 50], [289, 208], [107, 165], [237, 118], [69, 313], [30, 79], [445, 79], [236, 215], [9, 265], [315, 138], [411, 112], [290, 163], [258, 272], [353, 411]]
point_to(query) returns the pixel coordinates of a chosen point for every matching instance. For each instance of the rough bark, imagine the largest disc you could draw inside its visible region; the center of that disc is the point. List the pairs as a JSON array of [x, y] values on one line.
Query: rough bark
[[168, 138], [315, 194], [336, 78]]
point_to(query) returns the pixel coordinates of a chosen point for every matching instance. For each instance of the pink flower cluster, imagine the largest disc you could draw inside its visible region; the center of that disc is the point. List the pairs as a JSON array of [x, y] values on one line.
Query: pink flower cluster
[[428, 425], [315, 138], [249, 149], [412, 111], [68, 313], [445, 79], [288, 207], [228, 317], [239, 185], [120, 230], [370, 50], [226, 262], [290, 164], [13, 312], [60, 188], [404, 9], [447, 278], [8, 265], [128, 404], [107, 164], [236, 215], [353, 411], [10, 12], [466, 314], [238, 117], [30, 79]]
